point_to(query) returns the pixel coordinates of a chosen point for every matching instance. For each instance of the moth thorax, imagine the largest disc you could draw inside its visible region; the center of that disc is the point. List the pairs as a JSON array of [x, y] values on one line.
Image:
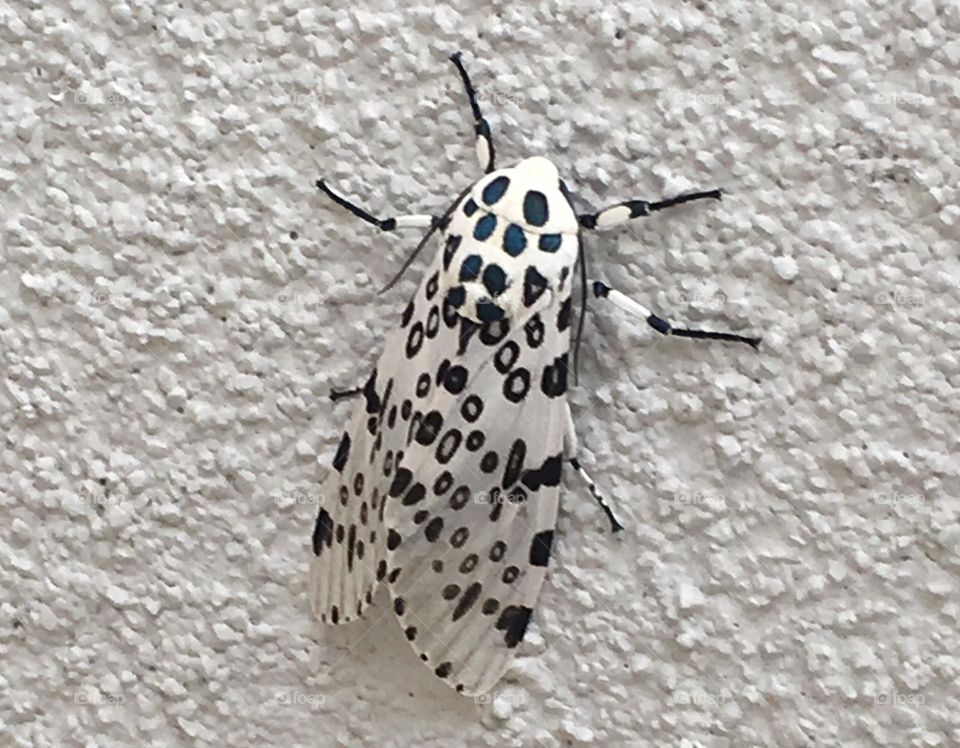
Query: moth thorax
[[510, 244]]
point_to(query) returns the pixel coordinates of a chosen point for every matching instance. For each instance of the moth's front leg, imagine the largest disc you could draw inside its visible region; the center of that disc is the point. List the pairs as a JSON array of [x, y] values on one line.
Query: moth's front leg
[[413, 221]]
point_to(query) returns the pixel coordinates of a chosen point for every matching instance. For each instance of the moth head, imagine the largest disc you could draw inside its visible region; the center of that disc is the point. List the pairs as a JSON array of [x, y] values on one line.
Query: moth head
[[511, 243]]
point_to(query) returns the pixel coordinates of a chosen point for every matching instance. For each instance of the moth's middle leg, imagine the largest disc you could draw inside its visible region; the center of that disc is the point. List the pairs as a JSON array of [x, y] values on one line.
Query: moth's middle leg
[[602, 291]]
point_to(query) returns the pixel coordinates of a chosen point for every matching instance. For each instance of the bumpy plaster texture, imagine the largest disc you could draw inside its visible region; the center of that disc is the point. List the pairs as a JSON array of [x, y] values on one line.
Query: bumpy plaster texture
[[178, 300]]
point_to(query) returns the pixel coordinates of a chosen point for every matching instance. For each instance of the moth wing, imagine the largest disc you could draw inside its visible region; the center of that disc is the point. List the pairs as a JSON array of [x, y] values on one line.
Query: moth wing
[[349, 539], [349, 544], [473, 507]]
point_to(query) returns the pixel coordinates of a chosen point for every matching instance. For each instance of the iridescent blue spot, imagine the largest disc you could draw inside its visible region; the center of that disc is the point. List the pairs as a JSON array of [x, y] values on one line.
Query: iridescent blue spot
[[514, 240], [494, 279], [550, 242], [469, 207], [470, 269], [494, 191], [535, 208], [487, 311], [485, 226], [456, 296]]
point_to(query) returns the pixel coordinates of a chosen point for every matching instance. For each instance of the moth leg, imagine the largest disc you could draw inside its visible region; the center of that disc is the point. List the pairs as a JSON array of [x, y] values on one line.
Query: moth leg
[[602, 291], [344, 394], [618, 214], [384, 224], [570, 447], [485, 153]]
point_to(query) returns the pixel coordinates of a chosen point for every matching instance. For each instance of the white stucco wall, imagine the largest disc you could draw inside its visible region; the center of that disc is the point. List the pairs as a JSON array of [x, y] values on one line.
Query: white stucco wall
[[176, 300]]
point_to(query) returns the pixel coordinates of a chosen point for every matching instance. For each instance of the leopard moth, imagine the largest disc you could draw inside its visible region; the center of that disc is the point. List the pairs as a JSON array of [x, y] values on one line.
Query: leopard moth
[[445, 484]]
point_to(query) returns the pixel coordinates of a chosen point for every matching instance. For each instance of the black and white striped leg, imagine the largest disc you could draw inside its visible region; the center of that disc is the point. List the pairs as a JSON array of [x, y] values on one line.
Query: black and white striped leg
[[602, 291], [620, 213], [571, 450], [336, 395], [384, 224], [485, 154]]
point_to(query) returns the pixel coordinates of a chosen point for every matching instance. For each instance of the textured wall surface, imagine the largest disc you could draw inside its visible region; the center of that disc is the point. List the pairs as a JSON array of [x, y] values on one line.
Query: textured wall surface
[[178, 300]]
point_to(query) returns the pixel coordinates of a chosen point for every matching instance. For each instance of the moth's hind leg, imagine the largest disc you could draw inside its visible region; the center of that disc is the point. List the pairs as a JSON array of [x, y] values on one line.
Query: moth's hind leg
[[384, 224], [570, 448], [602, 291], [485, 154]]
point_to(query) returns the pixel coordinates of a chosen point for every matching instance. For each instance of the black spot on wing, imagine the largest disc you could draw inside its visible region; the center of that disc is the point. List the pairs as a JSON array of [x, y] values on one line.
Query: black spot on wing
[[548, 474], [455, 379], [351, 546], [540, 548], [322, 532], [415, 495], [467, 600], [433, 529], [414, 339], [534, 285], [370, 394], [506, 356], [563, 316], [393, 539], [432, 285], [516, 385], [449, 250], [401, 480], [513, 621], [534, 331], [511, 473], [467, 330], [433, 322], [429, 428], [343, 453], [553, 382], [472, 408], [407, 314], [493, 332]]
